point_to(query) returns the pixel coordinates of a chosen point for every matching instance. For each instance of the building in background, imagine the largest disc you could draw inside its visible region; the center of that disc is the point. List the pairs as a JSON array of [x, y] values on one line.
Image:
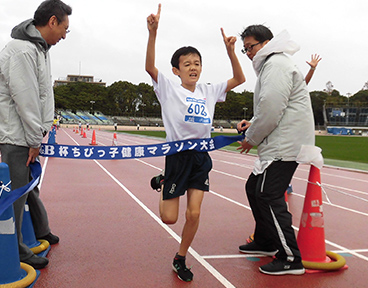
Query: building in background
[[78, 78]]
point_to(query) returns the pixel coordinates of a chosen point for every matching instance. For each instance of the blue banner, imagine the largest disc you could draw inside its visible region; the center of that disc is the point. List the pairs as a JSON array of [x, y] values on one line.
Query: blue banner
[[111, 153], [7, 200], [136, 151]]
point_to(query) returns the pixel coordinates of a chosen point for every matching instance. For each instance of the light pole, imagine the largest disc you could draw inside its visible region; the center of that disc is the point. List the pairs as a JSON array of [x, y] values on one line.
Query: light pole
[[92, 102], [347, 110]]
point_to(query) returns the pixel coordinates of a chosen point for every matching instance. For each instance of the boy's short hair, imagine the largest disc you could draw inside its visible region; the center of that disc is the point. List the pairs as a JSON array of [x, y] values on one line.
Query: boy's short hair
[[183, 51], [258, 32], [49, 8]]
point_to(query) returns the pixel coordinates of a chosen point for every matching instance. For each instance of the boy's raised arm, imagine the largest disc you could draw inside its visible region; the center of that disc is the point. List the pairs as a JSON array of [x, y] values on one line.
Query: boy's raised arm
[[238, 75], [152, 25]]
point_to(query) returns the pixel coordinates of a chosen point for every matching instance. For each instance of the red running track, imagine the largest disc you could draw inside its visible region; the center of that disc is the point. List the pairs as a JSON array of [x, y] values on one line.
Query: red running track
[[106, 216]]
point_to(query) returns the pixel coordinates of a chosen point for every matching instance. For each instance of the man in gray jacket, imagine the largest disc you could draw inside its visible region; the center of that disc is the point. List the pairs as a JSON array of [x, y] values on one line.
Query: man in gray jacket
[[27, 110], [282, 124]]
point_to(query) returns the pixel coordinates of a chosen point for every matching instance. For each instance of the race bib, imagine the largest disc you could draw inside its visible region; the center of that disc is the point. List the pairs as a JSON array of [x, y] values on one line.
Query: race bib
[[197, 111]]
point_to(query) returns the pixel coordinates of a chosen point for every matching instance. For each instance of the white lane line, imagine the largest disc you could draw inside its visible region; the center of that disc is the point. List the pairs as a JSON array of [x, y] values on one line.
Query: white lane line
[[328, 186], [297, 229], [353, 252], [198, 257], [228, 174], [235, 256], [337, 206], [301, 168], [346, 250], [302, 196], [148, 164], [232, 201]]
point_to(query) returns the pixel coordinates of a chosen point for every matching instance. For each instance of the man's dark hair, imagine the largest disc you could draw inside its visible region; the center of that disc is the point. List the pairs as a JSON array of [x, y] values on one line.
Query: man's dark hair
[[49, 8], [258, 32], [183, 51]]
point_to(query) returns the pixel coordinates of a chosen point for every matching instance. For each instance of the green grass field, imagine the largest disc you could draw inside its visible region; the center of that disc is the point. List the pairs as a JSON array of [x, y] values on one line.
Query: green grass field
[[344, 148]]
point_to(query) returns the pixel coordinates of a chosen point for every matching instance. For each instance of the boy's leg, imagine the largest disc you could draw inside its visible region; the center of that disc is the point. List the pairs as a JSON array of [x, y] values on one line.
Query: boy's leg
[[192, 214], [169, 209]]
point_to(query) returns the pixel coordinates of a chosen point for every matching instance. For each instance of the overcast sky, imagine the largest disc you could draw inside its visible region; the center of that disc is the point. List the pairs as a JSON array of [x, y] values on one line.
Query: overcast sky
[[108, 38]]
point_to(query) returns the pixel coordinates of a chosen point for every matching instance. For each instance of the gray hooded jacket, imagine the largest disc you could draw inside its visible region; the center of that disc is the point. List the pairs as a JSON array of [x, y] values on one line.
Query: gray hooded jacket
[[283, 118], [26, 94]]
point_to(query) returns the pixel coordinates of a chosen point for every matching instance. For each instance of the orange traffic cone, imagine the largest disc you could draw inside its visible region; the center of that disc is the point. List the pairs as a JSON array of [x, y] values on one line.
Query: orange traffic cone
[[76, 131], [93, 138], [311, 235], [81, 131], [84, 134], [114, 140]]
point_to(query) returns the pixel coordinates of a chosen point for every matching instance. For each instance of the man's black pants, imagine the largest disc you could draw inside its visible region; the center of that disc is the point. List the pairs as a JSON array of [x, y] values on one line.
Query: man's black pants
[[266, 196]]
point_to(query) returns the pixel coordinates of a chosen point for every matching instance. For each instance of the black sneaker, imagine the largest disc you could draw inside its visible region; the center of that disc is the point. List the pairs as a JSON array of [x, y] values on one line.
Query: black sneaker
[[181, 269], [157, 182], [282, 267], [51, 238], [254, 248], [36, 262]]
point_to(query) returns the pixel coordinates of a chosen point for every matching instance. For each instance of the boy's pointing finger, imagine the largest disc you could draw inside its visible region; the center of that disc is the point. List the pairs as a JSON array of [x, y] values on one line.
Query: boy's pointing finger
[[223, 33]]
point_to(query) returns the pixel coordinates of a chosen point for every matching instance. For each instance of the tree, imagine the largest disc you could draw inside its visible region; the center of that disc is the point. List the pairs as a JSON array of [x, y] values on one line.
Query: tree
[[124, 96], [360, 98], [78, 96], [365, 87], [329, 87], [148, 104], [318, 99], [233, 107]]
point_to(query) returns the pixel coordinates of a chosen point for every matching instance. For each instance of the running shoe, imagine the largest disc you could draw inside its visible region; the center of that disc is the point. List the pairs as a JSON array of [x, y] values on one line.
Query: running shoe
[[254, 248], [282, 267], [181, 269], [158, 181]]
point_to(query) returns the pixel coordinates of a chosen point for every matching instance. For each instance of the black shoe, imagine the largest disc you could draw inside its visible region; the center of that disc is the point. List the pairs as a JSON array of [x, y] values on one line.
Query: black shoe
[[157, 182], [254, 248], [282, 267], [181, 269], [51, 238], [36, 262]]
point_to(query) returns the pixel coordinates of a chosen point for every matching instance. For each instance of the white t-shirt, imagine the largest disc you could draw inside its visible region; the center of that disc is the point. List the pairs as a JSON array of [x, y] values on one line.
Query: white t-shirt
[[186, 114]]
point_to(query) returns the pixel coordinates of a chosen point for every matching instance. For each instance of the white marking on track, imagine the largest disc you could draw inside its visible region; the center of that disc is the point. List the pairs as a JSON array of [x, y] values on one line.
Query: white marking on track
[[198, 257]]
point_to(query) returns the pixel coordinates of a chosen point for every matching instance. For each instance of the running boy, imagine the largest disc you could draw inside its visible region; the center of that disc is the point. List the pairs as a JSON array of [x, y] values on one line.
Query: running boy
[[187, 112]]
